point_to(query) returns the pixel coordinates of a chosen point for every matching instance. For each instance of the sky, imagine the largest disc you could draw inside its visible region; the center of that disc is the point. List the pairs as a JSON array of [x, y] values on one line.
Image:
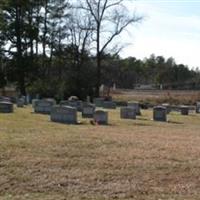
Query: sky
[[170, 28]]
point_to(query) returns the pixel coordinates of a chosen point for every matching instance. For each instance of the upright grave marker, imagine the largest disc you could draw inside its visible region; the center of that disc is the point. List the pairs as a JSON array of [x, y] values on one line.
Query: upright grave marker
[[5, 99], [6, 107], [98, 102], [128, 113], [160, 114], [44, 106], [64, 114], [198, 107], [101, 117], [184, 110], [167, 106], [20, 103], [88, 110], [78, 104], [109, 105], [136, 106]]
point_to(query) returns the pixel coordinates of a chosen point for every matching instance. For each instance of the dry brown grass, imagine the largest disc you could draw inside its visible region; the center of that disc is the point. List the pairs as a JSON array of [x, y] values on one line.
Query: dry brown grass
[[126, 160], [158, 96]]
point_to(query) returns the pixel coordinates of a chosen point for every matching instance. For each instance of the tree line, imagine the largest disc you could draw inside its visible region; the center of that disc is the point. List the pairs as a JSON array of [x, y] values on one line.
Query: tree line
[[58, 48]]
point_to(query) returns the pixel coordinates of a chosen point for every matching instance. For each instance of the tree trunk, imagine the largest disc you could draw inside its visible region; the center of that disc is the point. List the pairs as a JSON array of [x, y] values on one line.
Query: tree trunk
[[98, 60], [19, 63]]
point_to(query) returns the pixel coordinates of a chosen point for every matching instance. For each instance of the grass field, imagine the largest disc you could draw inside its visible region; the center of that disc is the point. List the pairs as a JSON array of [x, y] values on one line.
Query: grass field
[[141, 159], [159, 96]]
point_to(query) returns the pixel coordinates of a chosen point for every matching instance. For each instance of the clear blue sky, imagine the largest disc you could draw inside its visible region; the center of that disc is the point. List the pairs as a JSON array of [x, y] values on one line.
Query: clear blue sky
[[170, 28]]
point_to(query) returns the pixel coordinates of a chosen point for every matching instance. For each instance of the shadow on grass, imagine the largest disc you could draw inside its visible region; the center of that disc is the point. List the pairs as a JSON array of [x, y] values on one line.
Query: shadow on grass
[[174, 122], [38, 113], [143, 119], [142, 124]]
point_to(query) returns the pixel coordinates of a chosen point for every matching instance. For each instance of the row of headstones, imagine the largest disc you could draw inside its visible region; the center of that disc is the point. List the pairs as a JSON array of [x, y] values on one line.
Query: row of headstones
[[7, 103], [160, 112], [66, 112]]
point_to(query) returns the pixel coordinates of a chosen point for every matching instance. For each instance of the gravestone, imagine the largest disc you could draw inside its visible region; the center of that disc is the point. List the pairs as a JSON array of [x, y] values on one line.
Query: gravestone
[[6, 107], [20, 103], [101, 117], [136, 106], [28, 98], [98, 102], [167, 106], [23, 98], [109, 105], [88, 99], [78, 104], [160, 113], [64, 103], [184, 110], [64, 114], [44, 106], [73, 98], [34, 102], [5, 99], [198, 107], [128, 113], [88, 110]]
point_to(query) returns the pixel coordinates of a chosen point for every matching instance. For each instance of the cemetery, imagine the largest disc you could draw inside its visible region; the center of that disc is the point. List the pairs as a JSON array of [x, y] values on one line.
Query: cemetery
[[94, 106], [118, 138]]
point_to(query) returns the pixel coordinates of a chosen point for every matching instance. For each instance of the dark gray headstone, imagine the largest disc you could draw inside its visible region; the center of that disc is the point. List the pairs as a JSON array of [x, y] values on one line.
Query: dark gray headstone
[[128, 113], [160, 113], [98, 101], [20, 103], [5, 99], [109, 105], [64, 114], [6, 107], [34, 102], [78, 104], [88, 110], [198, 107], [184, 110], [136, 106], [44, 106], [167, 106], [101, 117]]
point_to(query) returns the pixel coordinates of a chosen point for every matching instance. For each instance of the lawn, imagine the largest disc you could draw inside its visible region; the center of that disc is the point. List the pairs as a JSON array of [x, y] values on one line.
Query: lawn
[[139, 159]]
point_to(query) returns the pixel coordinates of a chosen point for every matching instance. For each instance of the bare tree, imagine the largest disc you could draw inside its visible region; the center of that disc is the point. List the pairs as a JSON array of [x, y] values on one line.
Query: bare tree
[[110, 18], [80, 36]]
